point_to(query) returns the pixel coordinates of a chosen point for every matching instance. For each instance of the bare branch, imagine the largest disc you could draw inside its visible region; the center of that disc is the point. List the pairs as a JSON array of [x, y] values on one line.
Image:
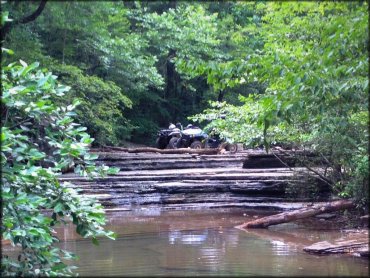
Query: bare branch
[[319, 175]]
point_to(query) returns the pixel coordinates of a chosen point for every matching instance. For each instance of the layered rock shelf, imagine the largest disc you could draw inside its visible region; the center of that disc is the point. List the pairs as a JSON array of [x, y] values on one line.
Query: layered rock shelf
[[194, 181], [354, 242]]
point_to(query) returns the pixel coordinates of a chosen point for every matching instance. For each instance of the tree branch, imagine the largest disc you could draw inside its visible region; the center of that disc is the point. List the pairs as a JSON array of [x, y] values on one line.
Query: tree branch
[[320, 176], [7, 26], [35, 14]]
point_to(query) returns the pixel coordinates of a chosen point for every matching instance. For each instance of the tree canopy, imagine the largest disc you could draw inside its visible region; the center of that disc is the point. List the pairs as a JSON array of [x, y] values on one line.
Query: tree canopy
[[314, 63], [152, 63], [293, 74]]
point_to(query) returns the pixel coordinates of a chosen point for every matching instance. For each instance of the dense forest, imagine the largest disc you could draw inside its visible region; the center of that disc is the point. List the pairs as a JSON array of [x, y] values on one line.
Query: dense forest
[[293, 74]]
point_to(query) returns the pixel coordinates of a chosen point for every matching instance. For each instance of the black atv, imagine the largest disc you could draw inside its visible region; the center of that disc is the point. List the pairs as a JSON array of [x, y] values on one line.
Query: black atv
[[191, 136], [216, 142], [164, 135], [163, 138]]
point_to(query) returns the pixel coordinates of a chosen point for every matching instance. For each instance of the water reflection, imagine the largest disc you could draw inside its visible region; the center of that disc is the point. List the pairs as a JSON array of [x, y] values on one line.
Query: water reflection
[[280, 248], [187, 237], [190, 243]]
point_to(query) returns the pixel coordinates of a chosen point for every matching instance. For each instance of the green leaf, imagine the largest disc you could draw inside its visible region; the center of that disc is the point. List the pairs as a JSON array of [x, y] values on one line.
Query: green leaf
[[3, 136], [6, 50], [30, 68], [23, 63], [43, 81], [59, 207], [113, 170], [59, 267], [95, 241]]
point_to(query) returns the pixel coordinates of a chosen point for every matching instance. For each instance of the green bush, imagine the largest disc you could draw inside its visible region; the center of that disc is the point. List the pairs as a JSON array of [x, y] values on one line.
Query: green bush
[[102, 104], [39, 140]]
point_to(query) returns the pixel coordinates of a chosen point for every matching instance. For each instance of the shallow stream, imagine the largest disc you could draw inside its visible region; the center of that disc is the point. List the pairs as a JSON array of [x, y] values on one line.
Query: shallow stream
[[152, 242]]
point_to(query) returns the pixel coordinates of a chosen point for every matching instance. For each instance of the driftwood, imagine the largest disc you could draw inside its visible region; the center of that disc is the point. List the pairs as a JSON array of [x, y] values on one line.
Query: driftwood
[[164, 151], [297, 214]]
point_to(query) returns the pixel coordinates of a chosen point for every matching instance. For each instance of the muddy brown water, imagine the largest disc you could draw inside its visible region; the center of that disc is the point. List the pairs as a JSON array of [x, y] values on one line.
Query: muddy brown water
[[152, 242]]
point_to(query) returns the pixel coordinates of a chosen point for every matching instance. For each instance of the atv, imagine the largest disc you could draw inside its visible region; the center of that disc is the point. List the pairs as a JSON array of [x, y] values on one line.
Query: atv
[[164, 136], [191, 136], [215, 142]]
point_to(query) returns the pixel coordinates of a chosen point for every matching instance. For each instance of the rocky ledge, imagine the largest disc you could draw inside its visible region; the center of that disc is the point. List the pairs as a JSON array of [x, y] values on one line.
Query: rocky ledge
[[196, 181]]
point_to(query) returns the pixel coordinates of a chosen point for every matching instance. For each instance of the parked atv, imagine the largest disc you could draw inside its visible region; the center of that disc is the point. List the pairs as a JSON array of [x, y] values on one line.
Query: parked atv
[[215, 142], [191, 136], [164, 136]]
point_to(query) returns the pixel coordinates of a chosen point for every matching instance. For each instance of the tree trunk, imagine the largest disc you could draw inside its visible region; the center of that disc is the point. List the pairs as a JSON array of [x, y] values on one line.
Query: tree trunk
[[168, 151], [64, 45], [172, 4], [220, 97], [171, 75], [284, 217]]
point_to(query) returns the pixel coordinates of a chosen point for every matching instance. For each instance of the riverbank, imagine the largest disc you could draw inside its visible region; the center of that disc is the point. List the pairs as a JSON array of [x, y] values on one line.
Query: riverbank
[[248, 178]]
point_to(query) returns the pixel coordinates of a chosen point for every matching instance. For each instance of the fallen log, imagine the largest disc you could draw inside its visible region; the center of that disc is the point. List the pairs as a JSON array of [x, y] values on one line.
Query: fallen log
[[285, 217], [164, 151], [175, 151]]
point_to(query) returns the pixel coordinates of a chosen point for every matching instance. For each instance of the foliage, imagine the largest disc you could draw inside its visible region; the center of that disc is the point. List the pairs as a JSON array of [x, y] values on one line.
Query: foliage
[[93, 50], [177, 35], [39, 141], [242, 123], [204, 41], [169, 58], [314, 61], [301, 69], [102, 104], [199, 50]]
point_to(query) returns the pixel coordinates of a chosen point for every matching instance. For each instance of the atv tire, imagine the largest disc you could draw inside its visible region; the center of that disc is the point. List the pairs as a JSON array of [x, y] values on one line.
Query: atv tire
[[232, 148], [173, 143], [160, 143], [196, 145]]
